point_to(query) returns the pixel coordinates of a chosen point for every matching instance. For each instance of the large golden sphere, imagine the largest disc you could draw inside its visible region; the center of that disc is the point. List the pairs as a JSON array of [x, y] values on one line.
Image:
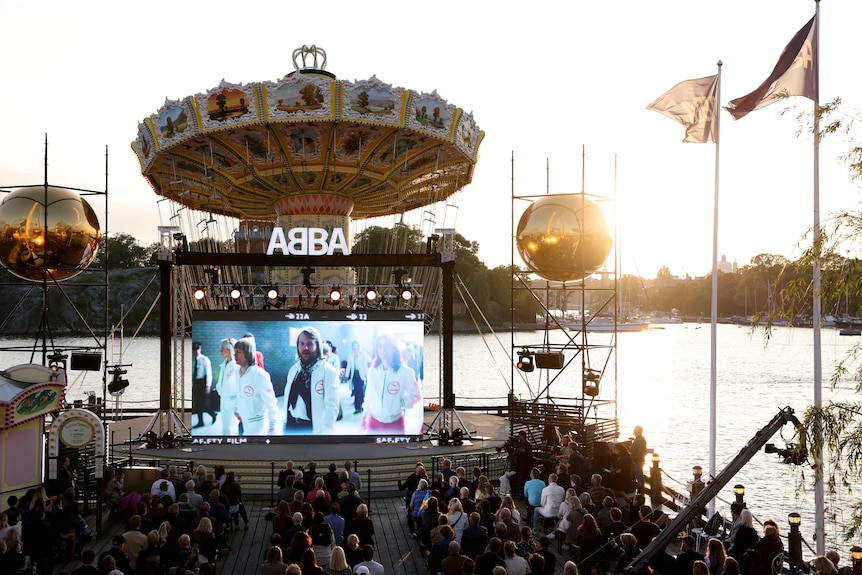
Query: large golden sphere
[[68, 247], [564, 237]]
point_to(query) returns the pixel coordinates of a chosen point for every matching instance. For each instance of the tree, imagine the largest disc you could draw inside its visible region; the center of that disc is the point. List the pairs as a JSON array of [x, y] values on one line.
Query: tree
[[362, 99], [834, 430], [124, 252], [663, 273], [309, 94]]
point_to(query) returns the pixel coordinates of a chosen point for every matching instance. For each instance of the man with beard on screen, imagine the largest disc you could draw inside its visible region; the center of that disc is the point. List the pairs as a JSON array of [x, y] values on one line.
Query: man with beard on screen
[[312, 388]]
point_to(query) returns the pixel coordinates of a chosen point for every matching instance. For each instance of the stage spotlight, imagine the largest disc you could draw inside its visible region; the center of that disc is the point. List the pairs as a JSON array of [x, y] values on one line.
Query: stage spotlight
[[457, 436], [235, 292], [118, 384], [168, 439], [371, 294], [57, 361], [404, 291], [443, 437], [335, 295], [200, 293], [406, 294], [591, 380], [152, 439], [525, 361], [272, 293]]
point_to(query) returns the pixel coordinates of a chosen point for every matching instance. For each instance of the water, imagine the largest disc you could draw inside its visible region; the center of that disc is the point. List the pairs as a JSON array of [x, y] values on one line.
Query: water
[[663, 385]]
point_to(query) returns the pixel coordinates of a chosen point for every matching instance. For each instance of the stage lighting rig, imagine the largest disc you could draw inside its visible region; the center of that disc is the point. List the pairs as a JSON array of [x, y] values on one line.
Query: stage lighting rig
[[457, 436], [152, 439], [525, 361], [405, 293], [57, 361], [118, 383], [306, 279]]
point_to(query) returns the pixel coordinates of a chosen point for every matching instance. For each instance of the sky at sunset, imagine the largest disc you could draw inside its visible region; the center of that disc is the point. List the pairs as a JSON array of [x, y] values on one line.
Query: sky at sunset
[[543, 80]]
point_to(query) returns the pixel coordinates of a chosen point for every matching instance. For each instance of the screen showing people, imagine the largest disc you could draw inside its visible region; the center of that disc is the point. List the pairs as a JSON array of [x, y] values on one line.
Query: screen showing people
[[280, 374]]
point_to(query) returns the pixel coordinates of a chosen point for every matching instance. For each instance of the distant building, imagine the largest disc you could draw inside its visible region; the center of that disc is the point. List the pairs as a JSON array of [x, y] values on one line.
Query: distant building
[[726, 267]]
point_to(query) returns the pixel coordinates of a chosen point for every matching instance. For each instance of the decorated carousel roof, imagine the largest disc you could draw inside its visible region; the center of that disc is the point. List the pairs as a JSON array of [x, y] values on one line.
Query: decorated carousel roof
[[239, 149]]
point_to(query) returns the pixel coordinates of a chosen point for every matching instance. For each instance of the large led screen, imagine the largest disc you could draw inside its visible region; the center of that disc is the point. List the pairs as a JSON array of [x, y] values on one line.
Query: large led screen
[[279, 375]]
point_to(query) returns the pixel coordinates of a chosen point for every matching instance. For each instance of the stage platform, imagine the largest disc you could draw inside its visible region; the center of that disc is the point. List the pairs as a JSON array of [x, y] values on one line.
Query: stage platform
[[255, 461]]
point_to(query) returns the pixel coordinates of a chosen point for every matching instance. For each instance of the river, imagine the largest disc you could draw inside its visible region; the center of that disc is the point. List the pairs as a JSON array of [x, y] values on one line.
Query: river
[[662, 385]]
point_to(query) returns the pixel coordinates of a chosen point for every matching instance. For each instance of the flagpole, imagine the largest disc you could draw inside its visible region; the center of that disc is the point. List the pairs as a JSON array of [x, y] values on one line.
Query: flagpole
[[713, 333], [819, 519]]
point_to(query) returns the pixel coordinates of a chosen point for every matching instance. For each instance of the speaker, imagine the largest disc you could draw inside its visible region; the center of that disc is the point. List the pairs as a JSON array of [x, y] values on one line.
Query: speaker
[[550, 360], [86, 361]]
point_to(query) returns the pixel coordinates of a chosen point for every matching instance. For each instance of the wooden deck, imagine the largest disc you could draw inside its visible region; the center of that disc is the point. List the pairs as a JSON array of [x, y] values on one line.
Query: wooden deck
[[399, 554]]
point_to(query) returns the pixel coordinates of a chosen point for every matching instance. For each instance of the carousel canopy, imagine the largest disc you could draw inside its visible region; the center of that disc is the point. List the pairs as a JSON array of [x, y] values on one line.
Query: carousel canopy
[[239, 149]]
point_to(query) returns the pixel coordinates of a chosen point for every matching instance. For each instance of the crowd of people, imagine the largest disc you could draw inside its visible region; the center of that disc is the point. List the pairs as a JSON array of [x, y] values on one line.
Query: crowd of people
[[463, 525], [321, 525]]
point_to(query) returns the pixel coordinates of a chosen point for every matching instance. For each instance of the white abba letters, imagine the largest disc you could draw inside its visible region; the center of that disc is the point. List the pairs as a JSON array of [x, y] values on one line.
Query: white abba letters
[[307, 242]]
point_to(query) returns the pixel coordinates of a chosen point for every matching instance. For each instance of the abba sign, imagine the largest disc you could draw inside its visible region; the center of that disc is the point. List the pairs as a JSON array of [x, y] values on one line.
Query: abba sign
[[307, 242]]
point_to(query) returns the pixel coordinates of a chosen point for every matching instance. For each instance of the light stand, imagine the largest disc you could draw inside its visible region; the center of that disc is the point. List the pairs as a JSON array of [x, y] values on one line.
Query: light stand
[[655, 482], [856, 557], [794, 541], [739, 491]]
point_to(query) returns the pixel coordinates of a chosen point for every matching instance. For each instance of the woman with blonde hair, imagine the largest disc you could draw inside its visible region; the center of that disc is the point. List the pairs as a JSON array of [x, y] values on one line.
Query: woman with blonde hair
[[200, 476], [587, 503], [362, 526], [565, 507], [458, 520], [352, 551], [204, 538], [227, 388], [570, 568], [338, 563]]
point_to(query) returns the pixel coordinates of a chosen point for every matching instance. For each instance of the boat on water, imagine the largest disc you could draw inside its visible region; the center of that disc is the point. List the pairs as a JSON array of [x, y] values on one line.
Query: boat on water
[[658, 318], [850, 331], [607, 324]]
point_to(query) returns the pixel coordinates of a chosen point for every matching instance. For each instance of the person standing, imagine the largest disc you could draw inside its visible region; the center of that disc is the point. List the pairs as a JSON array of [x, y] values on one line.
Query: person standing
[[258, 356], [639, 449], [352, 476], [227, 387], [391, 389], [202, 379], [312, 388], [356, 374], [256, 407], [522, 461]]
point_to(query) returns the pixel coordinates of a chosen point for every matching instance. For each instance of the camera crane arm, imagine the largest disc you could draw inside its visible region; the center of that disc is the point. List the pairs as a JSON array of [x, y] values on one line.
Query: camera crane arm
[[712, 489]]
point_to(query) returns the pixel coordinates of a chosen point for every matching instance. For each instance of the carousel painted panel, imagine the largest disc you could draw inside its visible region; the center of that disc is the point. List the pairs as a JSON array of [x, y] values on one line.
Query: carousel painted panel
[[299, 97], [227, 105], [374, 102]]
